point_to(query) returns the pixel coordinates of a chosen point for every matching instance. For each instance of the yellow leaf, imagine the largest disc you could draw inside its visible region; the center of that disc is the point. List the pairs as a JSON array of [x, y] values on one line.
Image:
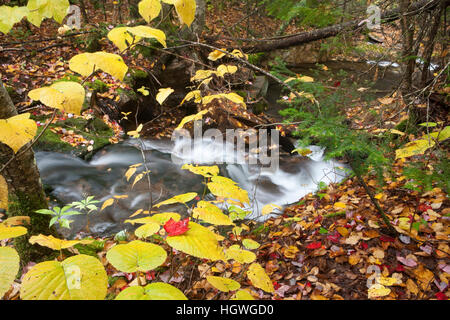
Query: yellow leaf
[[152, 291], [17, 221], [199, 242], [7, 232], [186, 11], [138, 211], [3, 193], [206, 171], [230, 96], [440, 135], [193, 95], [73, 96], [239, 255], [259, 278], [210, 213], [194, 117], [414, 148], [202, 74], [148, 32], [130, 172], [144, 91], [250, 244], [223, 284], [55, 243], [135, 134], [268, 208], [122, 38], [17, 131], [86, 63], [216, 55], [181, 198], [404, 223], [339, 205], [9, 266], [107, 203], [305, 79], [10, 16], [223, 69], [80, 277], [136, 256], [239, 54], [162, 218], [149, 9], [378, 290], [227, 188], [343, 231], [147, 230], [242, 295], [162, 94], [137, 179], [387, 281], [41, 9]]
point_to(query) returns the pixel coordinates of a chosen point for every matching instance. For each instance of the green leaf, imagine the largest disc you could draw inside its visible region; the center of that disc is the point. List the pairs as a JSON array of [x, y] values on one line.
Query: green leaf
[[136, 256]]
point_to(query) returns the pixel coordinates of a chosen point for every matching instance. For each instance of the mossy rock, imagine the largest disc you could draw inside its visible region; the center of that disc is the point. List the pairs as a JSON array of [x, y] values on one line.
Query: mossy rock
[[94, 129]]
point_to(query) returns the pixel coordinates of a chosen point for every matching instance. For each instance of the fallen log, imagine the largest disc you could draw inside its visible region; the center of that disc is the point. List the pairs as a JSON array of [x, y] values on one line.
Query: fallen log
[[331, 31]]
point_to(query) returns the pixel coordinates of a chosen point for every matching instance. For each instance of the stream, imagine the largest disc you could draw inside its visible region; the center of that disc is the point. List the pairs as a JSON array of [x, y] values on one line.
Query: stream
[[72, 179]]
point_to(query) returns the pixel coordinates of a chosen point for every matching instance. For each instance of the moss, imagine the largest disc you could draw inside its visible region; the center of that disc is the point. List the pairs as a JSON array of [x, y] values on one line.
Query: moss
[[26, 205], [98, 85], [94, 129]]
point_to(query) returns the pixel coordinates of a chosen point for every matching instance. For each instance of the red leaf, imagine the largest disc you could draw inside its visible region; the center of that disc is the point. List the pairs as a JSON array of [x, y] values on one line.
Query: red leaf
[[314, 245], [364, 245], [337, 84], [334, 237], [387, 239], [441, 296], [399, 268], [174, 228], [276, 285], [424, 207]]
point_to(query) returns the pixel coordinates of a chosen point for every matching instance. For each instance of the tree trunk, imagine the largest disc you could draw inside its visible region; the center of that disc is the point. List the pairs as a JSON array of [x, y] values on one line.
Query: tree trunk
[[26, 194], [408, 42], [429, 46]]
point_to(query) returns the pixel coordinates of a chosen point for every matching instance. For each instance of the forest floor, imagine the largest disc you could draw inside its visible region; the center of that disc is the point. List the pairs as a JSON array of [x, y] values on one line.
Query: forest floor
[[331, 245]]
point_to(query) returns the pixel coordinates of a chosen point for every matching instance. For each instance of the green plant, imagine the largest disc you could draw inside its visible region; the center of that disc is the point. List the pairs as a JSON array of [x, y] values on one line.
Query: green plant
[[59, 214]]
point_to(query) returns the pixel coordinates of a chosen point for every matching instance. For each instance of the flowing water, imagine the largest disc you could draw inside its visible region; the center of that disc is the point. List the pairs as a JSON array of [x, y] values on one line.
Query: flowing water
[[72, 179]]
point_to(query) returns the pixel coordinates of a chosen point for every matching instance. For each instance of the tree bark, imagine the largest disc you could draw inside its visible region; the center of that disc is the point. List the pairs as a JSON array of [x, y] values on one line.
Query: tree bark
[[331, 31], [429, 46], [26, 193], [407, 26]]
